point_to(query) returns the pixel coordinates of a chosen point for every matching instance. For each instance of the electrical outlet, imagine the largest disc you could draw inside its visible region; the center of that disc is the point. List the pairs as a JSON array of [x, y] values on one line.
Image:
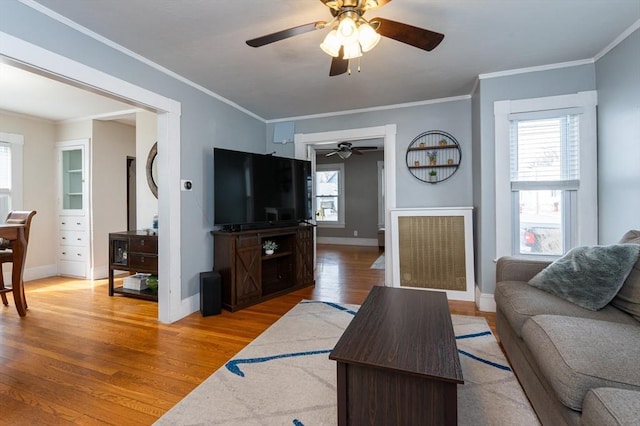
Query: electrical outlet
[[355, 233], [186, 185]]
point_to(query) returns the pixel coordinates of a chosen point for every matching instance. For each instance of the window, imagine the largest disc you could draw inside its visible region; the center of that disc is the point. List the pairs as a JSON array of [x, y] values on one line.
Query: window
[[5, 179], [545, 176], [10, 173], [546, 200], [330, 194]]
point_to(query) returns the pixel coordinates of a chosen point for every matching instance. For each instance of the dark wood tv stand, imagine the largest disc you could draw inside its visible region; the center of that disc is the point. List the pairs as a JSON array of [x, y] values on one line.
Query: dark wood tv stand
[[249, 276]]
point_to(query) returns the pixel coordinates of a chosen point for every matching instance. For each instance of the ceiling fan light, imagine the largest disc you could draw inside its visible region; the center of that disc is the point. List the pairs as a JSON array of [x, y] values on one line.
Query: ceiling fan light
[[367, 37], [352, 51], [347, 30], [331, 44], [344, 154]]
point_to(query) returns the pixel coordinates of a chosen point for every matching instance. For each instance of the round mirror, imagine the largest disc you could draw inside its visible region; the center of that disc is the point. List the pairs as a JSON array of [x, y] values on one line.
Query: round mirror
[[152, 169]]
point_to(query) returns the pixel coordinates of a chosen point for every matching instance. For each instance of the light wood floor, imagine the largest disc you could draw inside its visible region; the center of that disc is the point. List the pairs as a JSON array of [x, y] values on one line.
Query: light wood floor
[[80, 356]]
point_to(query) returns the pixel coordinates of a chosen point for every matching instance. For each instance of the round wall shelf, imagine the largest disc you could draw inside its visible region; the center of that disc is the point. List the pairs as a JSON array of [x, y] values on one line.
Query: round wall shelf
[[433, 156]]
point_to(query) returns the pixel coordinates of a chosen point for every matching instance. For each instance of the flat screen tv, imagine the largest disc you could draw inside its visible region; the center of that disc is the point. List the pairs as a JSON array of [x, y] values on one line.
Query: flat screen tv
[[255, 190]]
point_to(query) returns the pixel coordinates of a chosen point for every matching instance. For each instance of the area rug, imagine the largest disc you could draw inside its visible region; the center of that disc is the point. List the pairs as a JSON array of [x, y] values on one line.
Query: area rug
[[284, 377], [379, 263]]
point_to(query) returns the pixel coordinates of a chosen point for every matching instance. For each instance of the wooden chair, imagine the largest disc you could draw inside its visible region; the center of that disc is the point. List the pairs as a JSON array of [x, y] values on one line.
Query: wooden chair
[[6, 254]]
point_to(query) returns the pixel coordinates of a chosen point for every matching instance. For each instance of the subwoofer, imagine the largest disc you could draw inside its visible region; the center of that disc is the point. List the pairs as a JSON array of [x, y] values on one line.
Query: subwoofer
[[210, 293]]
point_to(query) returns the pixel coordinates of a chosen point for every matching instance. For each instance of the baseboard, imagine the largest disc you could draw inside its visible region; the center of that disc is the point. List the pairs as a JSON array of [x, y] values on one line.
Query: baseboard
[[485, 301], [344, 241], [101, 272], [189, 305], [29, 274]]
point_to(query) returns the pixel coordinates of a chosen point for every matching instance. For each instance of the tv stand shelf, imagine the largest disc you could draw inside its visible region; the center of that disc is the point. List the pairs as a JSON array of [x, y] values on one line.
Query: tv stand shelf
[[250, 276]]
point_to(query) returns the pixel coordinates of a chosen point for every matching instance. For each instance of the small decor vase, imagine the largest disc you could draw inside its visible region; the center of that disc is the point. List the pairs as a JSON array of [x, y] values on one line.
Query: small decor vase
[[268, 252]]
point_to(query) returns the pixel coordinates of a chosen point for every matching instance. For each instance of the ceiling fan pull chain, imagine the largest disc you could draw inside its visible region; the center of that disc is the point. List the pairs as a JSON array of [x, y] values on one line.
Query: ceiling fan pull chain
[[358, 64]]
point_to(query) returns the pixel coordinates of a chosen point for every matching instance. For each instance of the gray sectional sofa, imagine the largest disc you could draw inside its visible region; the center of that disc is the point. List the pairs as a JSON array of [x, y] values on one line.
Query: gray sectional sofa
[[576, 366]]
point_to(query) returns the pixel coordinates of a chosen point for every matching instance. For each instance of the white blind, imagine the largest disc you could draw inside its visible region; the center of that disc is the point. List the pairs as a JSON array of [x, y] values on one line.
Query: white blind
[[5, 167], [545, 151]]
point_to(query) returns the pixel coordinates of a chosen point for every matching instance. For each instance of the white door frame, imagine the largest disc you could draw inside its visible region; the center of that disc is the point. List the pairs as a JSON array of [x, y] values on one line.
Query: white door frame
[[388, 132], [57, 67]]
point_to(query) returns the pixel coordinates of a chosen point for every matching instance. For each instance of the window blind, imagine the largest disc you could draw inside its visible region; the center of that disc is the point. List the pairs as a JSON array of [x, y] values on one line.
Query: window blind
[[545, 153]]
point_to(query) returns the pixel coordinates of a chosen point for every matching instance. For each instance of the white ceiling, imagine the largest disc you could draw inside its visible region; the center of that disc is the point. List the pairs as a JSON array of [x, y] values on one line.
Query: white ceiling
[[204, 42]]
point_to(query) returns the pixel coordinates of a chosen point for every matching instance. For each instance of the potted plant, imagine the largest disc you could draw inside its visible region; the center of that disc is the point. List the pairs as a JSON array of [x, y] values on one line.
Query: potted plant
[[269, 247], [433, 157], [432, 176]]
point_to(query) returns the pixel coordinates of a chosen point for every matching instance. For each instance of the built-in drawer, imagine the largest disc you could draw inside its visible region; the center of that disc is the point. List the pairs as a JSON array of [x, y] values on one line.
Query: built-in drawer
[[144, 245], [74, 253], [140, 261], [71, 268], [73, 238], [70, 223]]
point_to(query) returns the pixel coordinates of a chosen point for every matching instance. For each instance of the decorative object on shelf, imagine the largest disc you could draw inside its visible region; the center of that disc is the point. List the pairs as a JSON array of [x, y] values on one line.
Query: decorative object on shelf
[[433, 156], [269, 247], [152, 284], [152, 169]]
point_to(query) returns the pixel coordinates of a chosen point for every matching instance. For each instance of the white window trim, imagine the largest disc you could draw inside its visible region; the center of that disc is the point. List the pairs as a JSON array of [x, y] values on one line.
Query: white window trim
[[17, 164], [587, 207], [341, 196]]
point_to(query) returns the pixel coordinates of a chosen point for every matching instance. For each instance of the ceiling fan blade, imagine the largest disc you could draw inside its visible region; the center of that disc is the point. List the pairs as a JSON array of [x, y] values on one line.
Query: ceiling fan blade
[[374, 4], [331, 153], [414, 36], [281, 35], [356, 151], [339, 65]]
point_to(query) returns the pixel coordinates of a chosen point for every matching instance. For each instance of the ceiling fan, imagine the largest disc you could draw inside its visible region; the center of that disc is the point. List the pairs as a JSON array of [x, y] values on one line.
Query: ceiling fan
[[351, 34], [345, 150]]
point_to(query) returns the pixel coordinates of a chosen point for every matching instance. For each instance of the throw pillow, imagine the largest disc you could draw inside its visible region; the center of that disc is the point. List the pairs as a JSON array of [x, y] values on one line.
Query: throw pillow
[[628, 298], [588, 276]]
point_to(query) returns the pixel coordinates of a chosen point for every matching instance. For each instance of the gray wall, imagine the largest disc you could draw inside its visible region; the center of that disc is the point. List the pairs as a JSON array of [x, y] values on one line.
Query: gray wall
[[521, 86], [361, 192], [453, 117], [618, 82], [206, 122]]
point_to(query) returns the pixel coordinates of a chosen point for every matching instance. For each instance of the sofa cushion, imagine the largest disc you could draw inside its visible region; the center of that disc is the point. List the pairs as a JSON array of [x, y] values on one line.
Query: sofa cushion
[[519, 301], [589, 276], [578, 354], [628, 298], [610, 407]]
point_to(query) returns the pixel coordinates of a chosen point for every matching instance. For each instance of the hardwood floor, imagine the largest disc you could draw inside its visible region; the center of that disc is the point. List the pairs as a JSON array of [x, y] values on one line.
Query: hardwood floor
[[82, 357]]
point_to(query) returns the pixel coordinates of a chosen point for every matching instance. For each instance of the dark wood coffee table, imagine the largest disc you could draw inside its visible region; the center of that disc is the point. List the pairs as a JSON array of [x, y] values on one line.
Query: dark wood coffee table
[[398, 362]]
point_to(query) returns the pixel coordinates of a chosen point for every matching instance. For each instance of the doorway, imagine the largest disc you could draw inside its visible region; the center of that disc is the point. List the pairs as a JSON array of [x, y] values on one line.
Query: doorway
[[304, 150]]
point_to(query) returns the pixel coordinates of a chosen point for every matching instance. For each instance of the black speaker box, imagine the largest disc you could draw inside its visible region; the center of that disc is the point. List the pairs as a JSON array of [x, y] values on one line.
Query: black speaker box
[[210, 293]]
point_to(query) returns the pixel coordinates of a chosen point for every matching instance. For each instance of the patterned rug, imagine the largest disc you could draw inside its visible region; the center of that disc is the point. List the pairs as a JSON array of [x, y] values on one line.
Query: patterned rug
[[284, 377]]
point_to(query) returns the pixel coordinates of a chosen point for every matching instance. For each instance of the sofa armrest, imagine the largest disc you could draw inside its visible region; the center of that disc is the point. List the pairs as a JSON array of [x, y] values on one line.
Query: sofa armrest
[[517, 269]]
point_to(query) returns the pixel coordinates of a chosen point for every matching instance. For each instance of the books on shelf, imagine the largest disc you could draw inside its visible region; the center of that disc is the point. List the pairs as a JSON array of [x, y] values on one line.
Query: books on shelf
[[136, 282]]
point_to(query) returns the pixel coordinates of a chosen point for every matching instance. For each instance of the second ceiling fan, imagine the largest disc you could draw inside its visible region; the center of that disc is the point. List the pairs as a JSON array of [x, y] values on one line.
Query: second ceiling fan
[[345, 149], [351, 34]]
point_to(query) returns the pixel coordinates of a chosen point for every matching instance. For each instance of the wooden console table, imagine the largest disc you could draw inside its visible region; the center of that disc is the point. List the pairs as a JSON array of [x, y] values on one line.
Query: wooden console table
[[398, 362], [135, 251], [249, 276]]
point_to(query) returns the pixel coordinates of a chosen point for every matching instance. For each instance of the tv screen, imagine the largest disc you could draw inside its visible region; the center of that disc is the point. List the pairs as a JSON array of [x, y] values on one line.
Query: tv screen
[[255, 190]]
